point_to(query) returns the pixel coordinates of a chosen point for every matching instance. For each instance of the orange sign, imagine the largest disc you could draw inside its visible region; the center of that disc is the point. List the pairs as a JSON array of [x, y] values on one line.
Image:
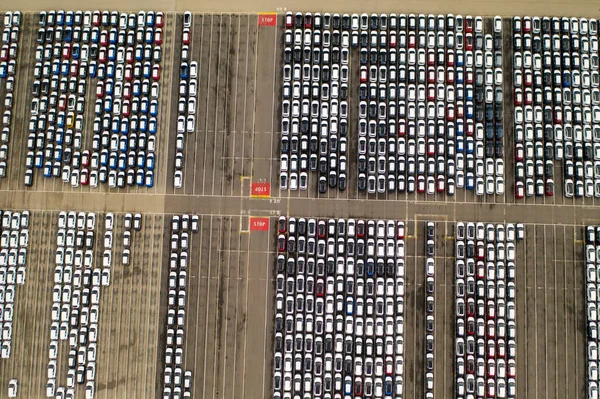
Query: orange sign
[[267, 19], [261, 190], [259, 224]]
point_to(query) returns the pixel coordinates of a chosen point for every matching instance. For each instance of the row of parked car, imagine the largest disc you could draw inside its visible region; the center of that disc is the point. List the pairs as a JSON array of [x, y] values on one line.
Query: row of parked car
[[592, 271], [315, 109], [8, 66], [13, 262], [430, 111], [557, 105], [486, 309], [339, 312], [429, 309], [120, 57], [76, 301], [177, 382], [188, 95]]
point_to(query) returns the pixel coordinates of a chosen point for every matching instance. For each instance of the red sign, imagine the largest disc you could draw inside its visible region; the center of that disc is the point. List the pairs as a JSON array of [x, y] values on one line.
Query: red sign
[[261, 190], [267, 19], [259, 224]]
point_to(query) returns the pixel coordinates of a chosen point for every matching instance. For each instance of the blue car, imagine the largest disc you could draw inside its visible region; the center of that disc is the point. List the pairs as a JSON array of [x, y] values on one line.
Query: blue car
[[470, 145], [152, 125], [60, 18], [143, 124], [69, 18], [48, 169], [150, 179], [64, 68], [3, 70], [139, 177], [68, 35], [124, 126], [92, 69], [470, 181], [141, 159], [388, 385], [349, 306], [108, 104], [150, 159], [460, 145], [116, 124], [122, 162], [154, 107], [58, 152], [39, 159], [123, 144], [110, 70], [104, 157], [469, 109], [184, 71], [469, 93], [144, 106], [460, 128], [76, 51], [112, 161], [370, 268]]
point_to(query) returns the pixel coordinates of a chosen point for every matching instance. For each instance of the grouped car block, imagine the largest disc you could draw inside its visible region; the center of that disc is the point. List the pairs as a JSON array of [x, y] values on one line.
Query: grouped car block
[[188, 92], [118, 55], [13, 263], [178, 383], [339, 313], [557, 105], [430, 104], [486, 309], [76, 301], [592, 269], [8, 68]]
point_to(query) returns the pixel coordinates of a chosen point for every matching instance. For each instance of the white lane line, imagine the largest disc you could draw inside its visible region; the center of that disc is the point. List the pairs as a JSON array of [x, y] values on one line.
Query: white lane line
[[207, 309], [254, 100], [235, 108], [266, 313], [167, 121], [247, 266], [546, 313], [226, 318], [244, 128], [537, 362], [207, 100], [274, 137], [217, 314], [217, 133], [237, 298], [201, 223], [578, 315], [197, 117], [226, 123]]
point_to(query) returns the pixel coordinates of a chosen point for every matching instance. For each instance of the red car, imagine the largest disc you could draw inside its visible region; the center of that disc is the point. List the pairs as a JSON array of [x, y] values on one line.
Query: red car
[[519, 190], [360, 228], [85, 159], [469, 42], [84, 177], [158, 38], [160, 19], [469, 24], [363, 74], [186, 36], [307, 20], [412, 40], [282, 225], [400, 226], [518, 97], [66, 51], [321, 229], [96, 18], [289, 20], [320, 287], [393, 39], [156, 72], [281, 247]]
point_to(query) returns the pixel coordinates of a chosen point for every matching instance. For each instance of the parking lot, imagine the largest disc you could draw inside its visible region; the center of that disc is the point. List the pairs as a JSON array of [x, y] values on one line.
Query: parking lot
[[231, 292], [129, 313]]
